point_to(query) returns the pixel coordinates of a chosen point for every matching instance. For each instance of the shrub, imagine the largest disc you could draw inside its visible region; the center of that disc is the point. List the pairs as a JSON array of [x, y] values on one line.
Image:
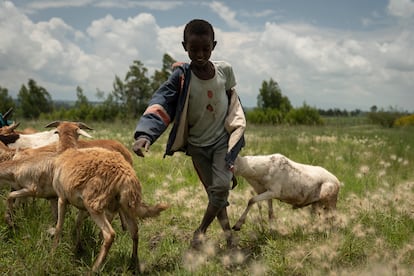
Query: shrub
[[405, 121], [265, 116], [385, 118], [304, 115]]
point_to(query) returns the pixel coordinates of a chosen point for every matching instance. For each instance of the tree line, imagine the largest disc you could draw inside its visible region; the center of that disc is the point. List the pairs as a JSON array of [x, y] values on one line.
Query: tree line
[[131, 94], [128, 98]]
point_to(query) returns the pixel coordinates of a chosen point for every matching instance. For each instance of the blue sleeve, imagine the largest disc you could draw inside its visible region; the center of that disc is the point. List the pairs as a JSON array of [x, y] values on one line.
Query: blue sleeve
[[161, 108]]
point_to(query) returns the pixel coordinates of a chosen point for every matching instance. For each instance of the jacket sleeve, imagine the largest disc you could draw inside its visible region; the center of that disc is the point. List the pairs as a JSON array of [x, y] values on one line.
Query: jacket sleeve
[[161, 109], [235, 125]]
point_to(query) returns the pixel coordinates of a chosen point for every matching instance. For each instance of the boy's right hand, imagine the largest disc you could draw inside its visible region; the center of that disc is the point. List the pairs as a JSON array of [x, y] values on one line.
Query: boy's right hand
[[140, 143]]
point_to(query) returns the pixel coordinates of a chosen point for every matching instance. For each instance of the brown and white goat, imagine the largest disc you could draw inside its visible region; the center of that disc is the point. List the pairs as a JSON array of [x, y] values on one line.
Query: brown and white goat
[[277, 177], [27, 176], [18, 140], [102, 183]]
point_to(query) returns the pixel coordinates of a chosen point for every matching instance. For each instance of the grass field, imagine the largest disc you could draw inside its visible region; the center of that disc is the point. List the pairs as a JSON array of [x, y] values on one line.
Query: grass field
[[372, 233]]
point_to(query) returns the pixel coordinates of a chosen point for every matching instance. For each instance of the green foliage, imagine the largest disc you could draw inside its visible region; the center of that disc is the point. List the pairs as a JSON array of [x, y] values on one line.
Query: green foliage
[[265, 116], [270, 97], [405, 121], [304, 115], [384, 118], [6, 101], [34, 100], [137, 89], [160, 77], [128, 99]]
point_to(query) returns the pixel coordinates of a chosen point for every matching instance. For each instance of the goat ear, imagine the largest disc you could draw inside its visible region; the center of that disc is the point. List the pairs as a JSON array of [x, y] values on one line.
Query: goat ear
[[84, 133], [53, 124], [84, 126]]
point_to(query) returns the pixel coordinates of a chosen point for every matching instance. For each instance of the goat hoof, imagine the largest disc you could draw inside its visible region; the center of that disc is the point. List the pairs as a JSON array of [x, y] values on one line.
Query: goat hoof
[[134, 268], [236, 228], [9, 222], [51, 231]]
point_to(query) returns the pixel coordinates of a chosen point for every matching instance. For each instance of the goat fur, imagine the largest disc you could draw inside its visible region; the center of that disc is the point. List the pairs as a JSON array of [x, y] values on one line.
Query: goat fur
[[277, 177], [102, 183]]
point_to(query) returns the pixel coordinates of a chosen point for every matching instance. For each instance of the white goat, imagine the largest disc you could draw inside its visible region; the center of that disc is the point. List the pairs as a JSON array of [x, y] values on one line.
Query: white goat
[[102, 183], [17, 140], [277, 177]]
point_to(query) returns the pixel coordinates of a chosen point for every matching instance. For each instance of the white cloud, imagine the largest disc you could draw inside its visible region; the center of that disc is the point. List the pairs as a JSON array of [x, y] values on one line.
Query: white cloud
[[40, 5], [323, 67], [401, 8], [153, 5], [226, 14]]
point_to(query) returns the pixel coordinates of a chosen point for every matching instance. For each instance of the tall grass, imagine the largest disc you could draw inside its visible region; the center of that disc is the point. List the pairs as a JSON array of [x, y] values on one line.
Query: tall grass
[[372, 233]]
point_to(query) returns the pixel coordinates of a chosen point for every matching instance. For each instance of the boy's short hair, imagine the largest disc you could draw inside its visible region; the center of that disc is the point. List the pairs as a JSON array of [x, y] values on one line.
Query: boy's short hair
[[198, 27]]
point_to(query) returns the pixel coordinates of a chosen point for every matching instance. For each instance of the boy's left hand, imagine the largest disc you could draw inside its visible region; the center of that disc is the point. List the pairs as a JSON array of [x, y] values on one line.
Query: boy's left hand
[[139, 144]]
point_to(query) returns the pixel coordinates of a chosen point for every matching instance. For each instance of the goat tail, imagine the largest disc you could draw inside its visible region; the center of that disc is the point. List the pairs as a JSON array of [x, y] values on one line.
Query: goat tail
[[146, 211]]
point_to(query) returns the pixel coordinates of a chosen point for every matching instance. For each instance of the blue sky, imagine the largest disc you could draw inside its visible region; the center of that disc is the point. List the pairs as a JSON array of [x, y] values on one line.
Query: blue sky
[[327, 53]]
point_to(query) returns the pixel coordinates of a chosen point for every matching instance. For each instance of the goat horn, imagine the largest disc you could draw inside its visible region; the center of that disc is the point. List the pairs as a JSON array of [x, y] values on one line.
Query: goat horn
[[53, 124], [14, 125], [84, 133], [5, 115], [84, 126]]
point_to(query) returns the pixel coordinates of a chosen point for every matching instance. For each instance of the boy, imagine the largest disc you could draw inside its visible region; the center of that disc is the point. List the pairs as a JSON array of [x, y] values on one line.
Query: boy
[[208, 120]]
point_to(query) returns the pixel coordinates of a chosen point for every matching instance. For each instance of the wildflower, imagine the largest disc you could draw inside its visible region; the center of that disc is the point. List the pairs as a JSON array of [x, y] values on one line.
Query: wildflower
[[226, 261], [364, 169], [381, 173], [258, 269], [358, 231]]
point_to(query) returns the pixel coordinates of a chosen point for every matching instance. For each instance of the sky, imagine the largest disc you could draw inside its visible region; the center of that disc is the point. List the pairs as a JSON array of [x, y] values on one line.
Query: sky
[[349, 55]]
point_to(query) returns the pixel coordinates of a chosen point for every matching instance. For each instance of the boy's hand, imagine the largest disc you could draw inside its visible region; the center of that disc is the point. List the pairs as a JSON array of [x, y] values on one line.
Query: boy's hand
[[140, 143]]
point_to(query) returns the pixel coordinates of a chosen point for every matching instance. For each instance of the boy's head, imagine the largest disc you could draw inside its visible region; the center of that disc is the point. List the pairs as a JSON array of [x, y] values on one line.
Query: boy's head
[[198, 27], [199, 41]]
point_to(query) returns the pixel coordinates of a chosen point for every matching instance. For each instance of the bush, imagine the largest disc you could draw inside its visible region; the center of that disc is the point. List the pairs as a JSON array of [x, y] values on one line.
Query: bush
[[265, 116], [385, 118], [405, 121], [304, 115]]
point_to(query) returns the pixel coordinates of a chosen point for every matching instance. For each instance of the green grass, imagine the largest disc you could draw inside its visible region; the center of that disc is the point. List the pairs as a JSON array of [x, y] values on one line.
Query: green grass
[[373, 231]]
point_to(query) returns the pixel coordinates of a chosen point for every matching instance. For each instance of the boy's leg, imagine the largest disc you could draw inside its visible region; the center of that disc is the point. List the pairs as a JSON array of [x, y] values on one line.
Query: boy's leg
[[225, 225], [211, 168]]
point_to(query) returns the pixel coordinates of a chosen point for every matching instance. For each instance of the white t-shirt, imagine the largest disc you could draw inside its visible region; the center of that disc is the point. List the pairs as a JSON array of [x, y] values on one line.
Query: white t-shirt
[[208, 103]]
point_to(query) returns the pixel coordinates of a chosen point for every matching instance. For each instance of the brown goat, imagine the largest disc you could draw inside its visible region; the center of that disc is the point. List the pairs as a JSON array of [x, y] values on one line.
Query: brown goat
[[8, 154], [102, 183]]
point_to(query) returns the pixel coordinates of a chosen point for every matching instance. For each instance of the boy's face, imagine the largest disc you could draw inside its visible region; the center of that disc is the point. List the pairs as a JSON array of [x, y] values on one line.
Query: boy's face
[[199, 48]]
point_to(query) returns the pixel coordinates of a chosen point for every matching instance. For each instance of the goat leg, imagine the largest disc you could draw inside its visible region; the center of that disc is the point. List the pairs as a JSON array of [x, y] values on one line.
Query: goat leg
[[108, 235], [130, 223], [60, 221], [25, 192], [263, 196], [82, 214]]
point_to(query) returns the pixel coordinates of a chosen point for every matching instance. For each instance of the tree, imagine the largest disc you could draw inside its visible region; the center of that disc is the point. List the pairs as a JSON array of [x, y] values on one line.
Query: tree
[[82, 106], [270, 97], [6, 101], [34, 100], [134, 94], [160, 77]]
